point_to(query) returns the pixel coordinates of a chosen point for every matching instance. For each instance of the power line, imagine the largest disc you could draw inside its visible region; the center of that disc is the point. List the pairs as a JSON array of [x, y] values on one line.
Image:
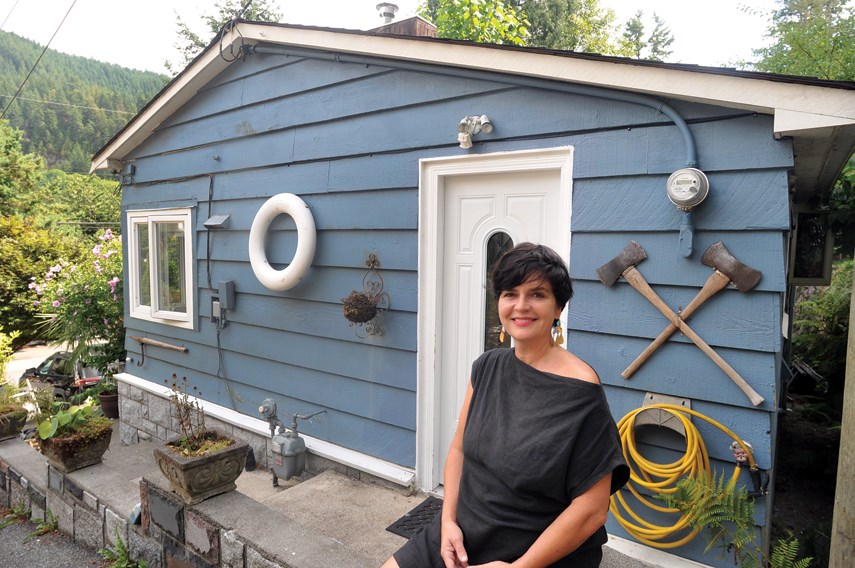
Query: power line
[[37, 60], [12, 9], [70, 105]]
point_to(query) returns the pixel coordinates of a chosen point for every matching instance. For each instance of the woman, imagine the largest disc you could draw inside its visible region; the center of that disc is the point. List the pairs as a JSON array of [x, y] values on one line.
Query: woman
[[536, 453]]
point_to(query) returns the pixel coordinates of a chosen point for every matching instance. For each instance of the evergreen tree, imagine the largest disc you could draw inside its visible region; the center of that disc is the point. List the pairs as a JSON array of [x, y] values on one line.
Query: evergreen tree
[[19, 172], [70, 106], [660, 40]]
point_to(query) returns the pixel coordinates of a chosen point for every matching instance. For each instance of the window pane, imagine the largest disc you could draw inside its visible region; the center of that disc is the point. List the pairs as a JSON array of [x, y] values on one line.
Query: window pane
[[497, 245], [143, 269], [171, 294]]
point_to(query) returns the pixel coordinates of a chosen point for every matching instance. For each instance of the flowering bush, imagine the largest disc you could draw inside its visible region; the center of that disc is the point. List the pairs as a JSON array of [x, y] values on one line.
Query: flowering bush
[[83, 303]]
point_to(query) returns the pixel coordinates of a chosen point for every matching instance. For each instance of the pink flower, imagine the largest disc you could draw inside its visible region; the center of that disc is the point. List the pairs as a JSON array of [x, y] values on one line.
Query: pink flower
[[55, 303], [31, 285], [36, 303], [96, 250]]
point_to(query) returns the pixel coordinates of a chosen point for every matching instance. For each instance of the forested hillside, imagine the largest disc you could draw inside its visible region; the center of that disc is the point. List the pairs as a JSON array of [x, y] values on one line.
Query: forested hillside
[[70, 106]]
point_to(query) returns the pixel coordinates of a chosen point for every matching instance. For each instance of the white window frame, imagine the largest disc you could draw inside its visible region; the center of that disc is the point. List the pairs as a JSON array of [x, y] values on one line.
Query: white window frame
[[151, 313]]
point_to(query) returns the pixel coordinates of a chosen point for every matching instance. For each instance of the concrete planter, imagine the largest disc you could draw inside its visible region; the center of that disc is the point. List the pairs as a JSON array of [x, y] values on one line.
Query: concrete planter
[[69, 454], [11, 423], [195, 479]]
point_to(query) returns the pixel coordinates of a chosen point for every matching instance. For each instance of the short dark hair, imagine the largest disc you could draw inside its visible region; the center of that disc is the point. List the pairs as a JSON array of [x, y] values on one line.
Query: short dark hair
[[526, 260]]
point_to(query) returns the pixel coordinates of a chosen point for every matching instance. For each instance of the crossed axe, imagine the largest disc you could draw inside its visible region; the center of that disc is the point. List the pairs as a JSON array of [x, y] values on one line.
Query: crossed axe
[[726, 269]]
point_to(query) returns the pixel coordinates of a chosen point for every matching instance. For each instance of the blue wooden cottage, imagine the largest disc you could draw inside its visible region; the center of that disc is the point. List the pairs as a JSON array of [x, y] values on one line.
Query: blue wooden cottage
[[288, 167]]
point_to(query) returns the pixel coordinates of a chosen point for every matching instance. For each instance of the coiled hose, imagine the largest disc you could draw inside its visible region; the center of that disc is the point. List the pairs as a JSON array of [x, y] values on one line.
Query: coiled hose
[[662, 478]]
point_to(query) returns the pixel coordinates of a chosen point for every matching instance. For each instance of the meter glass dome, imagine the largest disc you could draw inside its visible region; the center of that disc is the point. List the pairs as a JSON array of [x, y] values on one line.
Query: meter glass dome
[[687, 187]]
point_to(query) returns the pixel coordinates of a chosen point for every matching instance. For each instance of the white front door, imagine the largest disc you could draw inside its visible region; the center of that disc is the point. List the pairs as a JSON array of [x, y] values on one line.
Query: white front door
[[522, 196]]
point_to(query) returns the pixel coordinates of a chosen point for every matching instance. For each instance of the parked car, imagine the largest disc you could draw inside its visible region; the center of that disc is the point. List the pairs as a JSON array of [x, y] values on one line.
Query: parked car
[[58, 373]]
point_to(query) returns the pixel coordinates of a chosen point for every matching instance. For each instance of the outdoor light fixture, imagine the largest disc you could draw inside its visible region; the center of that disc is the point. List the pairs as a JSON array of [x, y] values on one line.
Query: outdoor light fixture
[[469, 126]]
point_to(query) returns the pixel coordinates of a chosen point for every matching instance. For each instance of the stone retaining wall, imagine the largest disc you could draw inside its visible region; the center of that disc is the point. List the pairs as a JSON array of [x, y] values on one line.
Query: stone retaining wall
[[170, 534]]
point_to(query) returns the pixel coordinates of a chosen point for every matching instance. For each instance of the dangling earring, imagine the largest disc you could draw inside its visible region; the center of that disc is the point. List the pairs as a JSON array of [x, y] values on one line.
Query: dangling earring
[[502, 335], [557, 333]]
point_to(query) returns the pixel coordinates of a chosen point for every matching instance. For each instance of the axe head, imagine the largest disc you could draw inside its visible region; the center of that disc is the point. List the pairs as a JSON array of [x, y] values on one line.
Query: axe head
[[631, 255], [743, 277]]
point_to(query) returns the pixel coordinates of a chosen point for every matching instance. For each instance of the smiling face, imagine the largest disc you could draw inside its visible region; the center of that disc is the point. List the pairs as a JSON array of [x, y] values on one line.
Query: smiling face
[[528, 310]]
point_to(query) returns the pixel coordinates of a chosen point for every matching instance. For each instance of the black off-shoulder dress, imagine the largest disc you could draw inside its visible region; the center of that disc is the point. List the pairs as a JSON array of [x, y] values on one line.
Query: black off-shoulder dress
[[533, 442]]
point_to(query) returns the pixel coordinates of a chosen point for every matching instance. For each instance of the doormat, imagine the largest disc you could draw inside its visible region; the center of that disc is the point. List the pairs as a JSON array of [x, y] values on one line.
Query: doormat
[[414, 521]]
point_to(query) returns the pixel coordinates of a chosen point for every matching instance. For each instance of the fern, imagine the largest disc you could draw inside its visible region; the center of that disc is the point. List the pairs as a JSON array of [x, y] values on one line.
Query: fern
[[784, 554], [726, 512], [121, 556]]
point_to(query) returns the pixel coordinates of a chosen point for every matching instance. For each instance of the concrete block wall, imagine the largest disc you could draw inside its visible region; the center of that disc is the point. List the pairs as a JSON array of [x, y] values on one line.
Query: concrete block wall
[[79, 513], [188, 537], [171, 534]]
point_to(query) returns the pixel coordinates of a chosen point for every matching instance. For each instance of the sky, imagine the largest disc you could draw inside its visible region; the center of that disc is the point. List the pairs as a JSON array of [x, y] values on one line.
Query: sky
[[141, 34]]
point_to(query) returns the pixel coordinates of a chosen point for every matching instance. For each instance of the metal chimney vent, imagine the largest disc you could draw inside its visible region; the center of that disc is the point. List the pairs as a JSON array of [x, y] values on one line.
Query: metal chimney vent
[[387, 11]]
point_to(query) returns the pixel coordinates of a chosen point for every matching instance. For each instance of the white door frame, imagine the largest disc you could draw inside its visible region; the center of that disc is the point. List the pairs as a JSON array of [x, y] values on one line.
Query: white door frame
[[432, 175]]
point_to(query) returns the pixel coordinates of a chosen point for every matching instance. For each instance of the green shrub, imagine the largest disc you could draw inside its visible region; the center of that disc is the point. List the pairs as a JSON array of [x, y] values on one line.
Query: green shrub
[[25, 251], [6, 350], [821, 326]]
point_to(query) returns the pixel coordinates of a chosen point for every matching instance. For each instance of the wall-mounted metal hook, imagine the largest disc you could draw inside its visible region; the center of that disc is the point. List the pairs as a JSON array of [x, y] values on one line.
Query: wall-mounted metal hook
[[143, 341]]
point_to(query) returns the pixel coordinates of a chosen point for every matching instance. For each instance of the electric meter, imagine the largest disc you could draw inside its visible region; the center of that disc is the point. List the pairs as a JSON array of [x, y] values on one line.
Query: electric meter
[[687, 187]]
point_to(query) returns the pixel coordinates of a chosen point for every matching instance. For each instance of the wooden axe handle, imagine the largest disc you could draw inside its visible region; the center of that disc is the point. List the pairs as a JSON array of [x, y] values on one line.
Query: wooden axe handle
[[715, 283], [637, 281], [156, 343]]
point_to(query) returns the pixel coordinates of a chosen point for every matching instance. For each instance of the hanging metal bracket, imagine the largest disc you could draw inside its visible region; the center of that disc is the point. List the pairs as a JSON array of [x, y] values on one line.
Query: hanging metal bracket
[[143, 341], [660, 417]]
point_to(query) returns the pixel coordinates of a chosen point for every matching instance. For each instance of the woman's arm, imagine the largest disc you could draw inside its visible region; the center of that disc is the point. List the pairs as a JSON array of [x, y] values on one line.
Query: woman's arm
[[451, 546], [573, 526]]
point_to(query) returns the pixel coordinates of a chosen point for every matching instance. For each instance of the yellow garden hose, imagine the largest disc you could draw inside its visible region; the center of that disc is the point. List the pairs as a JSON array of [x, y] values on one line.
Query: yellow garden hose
[[662, 478]]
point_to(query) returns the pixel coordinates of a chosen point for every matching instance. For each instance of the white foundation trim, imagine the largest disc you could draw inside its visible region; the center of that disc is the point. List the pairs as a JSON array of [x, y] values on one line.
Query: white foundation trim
[[374, 466], [648, 556]]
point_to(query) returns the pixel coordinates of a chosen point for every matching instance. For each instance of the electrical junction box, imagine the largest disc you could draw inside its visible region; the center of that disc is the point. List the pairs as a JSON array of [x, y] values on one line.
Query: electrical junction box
[[227, 294]]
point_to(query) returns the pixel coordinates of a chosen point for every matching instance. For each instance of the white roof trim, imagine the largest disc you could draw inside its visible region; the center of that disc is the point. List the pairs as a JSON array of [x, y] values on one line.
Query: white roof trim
[[816, 106], [790, 122]]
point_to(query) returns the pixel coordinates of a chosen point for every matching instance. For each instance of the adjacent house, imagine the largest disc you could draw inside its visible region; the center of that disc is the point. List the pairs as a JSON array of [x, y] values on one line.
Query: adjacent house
[[288, 167]]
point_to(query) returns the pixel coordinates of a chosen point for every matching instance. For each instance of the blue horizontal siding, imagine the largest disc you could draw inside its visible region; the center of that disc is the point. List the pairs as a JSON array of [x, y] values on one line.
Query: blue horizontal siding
[[253, 82], [678, 369], [347, 248], [761, 250], [319, 284], [758, 199], [348, 139], [749, 321], [334, 102]]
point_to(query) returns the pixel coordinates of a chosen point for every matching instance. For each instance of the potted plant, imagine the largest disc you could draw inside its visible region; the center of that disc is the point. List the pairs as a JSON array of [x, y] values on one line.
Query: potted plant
[[108, 396], [201, 462], [13, 415], [73, 437]]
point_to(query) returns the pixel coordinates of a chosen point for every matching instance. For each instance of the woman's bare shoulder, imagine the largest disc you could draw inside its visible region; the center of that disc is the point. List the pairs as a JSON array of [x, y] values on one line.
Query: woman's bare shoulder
[[573, 366]]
